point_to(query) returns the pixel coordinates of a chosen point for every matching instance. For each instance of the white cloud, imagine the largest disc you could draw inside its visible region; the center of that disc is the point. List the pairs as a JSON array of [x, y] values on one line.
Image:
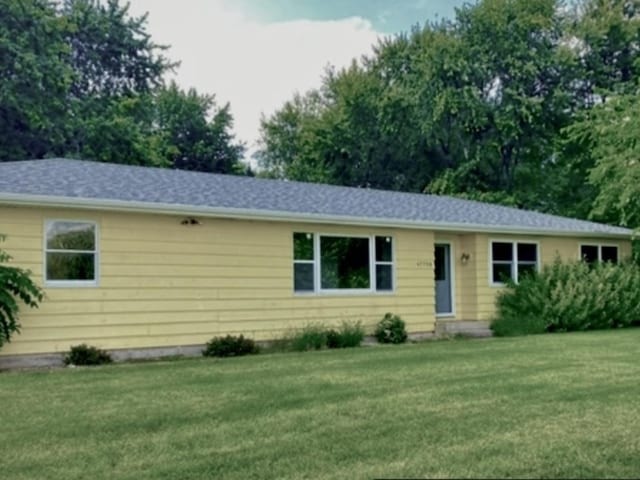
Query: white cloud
[[254, 66]]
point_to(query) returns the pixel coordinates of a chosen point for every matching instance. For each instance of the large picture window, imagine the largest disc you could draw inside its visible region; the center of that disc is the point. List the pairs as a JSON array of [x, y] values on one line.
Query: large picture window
[[70, 252], [512, 260], [599, 253], [328, 263]]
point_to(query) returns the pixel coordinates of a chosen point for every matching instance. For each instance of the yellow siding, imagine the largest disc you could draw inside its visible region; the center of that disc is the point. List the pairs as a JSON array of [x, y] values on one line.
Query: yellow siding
[[549, 248], [164, 284]]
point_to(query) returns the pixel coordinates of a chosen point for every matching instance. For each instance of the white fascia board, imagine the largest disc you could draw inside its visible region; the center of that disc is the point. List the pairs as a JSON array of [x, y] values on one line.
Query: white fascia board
[[279, 216]]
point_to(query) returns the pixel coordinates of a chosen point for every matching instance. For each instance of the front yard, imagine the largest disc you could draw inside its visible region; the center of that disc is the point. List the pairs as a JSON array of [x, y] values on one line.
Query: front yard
[[565, 405]]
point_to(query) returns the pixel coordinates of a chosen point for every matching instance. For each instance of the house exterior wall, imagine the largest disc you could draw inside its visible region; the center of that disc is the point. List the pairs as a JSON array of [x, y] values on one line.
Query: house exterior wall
[[549, 248], [164, 284]]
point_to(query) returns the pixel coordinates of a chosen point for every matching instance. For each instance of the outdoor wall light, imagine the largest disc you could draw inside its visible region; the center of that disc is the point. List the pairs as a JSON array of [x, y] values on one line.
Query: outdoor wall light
[[464, 258], [190, 221]]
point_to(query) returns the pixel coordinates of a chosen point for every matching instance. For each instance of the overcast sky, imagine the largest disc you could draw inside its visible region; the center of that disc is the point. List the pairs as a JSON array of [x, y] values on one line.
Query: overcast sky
[[255, 54]]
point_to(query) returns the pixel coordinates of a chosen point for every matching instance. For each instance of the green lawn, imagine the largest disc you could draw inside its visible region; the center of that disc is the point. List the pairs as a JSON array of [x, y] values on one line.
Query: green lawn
[[565, 405]]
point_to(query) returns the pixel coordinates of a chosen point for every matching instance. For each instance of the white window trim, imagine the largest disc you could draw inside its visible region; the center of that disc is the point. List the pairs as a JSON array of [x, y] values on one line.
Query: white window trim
[[452, 275], [599, 245], [513, 262], [96, 258], [372, 290]]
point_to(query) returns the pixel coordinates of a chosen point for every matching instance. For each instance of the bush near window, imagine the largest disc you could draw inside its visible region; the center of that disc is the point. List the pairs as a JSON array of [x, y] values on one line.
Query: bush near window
[[230, 346], [84, 354], [391, 329], [568, 297], [15, 284]]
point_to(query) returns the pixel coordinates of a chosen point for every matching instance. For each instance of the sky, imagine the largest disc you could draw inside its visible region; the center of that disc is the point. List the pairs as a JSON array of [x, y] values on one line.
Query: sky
[[255, 54]]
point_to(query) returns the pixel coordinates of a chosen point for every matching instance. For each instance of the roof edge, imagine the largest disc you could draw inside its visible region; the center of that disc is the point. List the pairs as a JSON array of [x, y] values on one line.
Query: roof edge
[[282, 216]]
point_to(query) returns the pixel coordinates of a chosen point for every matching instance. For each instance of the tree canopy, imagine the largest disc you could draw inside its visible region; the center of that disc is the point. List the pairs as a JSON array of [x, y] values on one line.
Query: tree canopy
[[526, 103], [82, 78], [492, 104]]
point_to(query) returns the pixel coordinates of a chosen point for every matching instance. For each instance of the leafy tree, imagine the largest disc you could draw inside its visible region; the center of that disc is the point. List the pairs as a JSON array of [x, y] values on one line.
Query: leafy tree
[[82, 78], [111, 53], [289, 139], [470, 106], [608, 135], [606, 33], [15, 284], [34, 78], [514, 93], [116, 67], [196, 133], [118, 130]]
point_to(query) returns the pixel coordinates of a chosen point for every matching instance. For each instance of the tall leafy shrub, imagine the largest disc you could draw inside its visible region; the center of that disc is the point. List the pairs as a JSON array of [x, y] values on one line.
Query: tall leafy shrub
[[570, 296], [15, 285]]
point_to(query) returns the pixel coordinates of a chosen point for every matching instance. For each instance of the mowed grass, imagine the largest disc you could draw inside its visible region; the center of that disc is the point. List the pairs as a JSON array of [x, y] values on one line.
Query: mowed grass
[[565, 405]]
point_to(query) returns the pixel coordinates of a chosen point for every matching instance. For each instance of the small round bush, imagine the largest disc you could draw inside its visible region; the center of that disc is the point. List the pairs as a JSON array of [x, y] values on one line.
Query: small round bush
[[84, 354], [391, 329], [230, 346]]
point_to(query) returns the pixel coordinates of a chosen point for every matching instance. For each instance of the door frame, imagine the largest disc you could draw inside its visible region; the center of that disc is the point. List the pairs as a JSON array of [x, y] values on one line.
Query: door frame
[[452, 279]]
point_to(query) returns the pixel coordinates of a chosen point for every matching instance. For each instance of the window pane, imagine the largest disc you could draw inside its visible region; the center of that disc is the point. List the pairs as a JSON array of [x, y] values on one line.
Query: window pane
[[610, 254], [384, 277], [589, 253], [71, 236], [70, 266], [344, 262], [502, 251], [303, 246], [383, 249], [527, 252], [440, 267], [303, 277], [501, 272], [525, 269]]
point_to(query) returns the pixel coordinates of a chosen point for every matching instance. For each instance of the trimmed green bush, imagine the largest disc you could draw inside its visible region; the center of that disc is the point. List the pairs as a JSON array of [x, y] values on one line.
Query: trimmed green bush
[[311, 337], [568, 297], [230, 346], [349, 334], [84, 354], [391, 329]]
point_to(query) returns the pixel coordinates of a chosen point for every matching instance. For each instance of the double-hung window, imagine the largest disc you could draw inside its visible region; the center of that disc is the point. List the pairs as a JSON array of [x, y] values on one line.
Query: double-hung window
[[71, 253], [338, 263], [599, 253], [512, 260]]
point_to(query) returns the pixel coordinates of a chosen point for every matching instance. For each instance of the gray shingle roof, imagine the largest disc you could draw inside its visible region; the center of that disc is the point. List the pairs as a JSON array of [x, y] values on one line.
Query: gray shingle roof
[[63, 181]]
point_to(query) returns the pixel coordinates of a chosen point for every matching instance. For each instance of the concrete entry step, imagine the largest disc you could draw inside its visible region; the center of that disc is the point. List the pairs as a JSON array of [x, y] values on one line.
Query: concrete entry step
[[463, 327]]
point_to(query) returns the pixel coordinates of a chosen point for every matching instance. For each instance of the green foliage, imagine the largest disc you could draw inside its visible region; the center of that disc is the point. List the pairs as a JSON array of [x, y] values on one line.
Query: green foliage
[[349, 334], [83, 79], [34, 78], [606, 140], [391, 329], [570, 296], [481, 96], [312, 337], [608, 29], [316, 336], [480, 106], [230, 346], [15, 285], [84, 354]]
